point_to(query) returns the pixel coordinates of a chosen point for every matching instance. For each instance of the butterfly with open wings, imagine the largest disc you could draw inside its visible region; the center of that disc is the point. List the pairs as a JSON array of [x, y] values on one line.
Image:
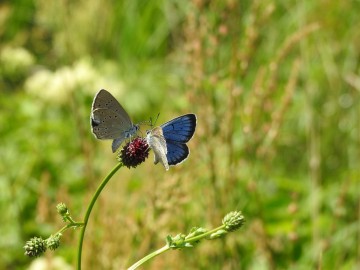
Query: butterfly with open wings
[[169, 140]]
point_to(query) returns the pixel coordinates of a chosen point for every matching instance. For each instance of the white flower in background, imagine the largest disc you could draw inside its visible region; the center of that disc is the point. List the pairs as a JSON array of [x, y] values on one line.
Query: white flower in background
[[15, 60], [55, 263], [86, 76], [110, 79], [115, 86], [59, 85], [84, 71], [62, 84], [51, 86], [91, 80], [39, 80]]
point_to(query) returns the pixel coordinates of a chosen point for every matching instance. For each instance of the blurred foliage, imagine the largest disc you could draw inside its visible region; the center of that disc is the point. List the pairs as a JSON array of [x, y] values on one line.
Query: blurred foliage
[[275, 85]]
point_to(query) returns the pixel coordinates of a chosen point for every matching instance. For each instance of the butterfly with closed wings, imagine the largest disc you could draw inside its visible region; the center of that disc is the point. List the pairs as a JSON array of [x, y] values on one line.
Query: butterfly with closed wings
[[109, 120]]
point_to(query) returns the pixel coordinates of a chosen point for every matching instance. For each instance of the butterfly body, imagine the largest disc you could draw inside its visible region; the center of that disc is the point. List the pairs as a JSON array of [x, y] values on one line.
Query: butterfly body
[[176, 132], [157, 142], [109, 120]]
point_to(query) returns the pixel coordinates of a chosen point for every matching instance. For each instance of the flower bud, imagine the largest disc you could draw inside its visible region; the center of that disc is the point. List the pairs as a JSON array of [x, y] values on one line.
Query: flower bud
[[53, 242], [62, 209], [233, 221], [35, 247]]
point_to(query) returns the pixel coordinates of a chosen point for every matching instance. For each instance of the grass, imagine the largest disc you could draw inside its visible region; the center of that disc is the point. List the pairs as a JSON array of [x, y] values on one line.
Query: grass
[[274, 85]]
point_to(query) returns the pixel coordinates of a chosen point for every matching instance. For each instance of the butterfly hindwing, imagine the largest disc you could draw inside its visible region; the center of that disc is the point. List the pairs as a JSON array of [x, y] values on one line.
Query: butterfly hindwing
[[176, 152], [117, 142]]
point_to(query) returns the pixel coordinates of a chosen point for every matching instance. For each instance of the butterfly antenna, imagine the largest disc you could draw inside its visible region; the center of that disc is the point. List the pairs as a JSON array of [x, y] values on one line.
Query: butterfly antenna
[[157, 117], [151, 123]]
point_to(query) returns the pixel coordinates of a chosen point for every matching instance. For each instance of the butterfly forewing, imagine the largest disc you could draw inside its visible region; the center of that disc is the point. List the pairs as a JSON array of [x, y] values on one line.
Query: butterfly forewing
[[108, 125], [180, 129], [104, 100]]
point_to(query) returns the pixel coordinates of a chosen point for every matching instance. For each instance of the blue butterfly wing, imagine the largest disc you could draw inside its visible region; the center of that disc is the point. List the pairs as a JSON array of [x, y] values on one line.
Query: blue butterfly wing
[[177, 132], [176, 152], [180, 129]]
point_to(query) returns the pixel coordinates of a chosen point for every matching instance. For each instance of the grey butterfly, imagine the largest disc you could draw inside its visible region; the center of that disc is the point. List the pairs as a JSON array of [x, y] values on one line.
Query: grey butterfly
[[109, 120], [157, 142]]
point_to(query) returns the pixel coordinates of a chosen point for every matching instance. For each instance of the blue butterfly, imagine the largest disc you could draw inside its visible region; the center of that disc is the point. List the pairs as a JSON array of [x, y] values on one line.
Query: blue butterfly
[[177, 132]]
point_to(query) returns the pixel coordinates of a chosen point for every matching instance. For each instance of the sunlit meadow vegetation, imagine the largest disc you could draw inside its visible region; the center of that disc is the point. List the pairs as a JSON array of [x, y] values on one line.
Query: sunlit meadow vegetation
[[275, 86]]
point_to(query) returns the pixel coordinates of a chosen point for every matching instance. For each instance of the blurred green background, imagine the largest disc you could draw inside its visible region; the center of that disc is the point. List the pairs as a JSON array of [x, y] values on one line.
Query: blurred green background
[[275, 86]]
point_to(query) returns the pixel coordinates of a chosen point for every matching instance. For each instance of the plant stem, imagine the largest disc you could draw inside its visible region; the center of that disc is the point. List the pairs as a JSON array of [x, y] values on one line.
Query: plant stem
[[70, 219], [70, 225], [167, 247], [201, 236], [90, 207], [148, 257]]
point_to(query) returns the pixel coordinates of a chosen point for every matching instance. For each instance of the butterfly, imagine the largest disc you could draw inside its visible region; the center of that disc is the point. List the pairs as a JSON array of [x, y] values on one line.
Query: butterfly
[[169, 140], [109, 120]]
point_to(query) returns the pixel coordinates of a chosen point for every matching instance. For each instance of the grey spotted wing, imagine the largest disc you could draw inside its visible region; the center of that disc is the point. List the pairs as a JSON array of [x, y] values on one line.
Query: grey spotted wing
[[106, 124], [104, 100], [109, 120]]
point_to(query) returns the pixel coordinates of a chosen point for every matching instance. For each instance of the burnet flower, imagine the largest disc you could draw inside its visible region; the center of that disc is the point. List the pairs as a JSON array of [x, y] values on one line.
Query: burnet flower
[[134, 152]]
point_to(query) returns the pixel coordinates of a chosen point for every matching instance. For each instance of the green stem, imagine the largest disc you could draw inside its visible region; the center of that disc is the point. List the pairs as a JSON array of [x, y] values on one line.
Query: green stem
[[70, 219], [90, 207], [201, 236], [70, 225], [148, 257], [166, 247]]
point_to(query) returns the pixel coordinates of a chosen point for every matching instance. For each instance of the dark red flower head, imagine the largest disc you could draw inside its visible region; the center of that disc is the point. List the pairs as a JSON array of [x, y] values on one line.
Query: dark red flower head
[[134, 152]]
